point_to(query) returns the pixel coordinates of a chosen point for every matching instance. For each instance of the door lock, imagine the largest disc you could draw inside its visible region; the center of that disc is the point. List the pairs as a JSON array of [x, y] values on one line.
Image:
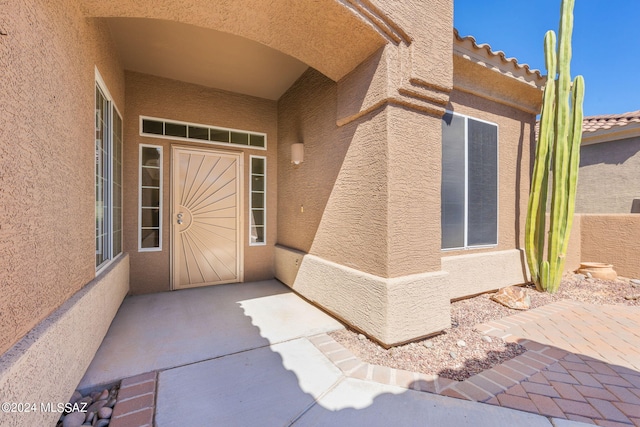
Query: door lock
[[180, 218]]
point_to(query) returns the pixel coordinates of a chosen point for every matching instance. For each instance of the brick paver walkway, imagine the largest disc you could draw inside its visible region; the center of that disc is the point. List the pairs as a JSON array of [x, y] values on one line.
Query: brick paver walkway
[[136, 401], [582, 363], [596, 375]]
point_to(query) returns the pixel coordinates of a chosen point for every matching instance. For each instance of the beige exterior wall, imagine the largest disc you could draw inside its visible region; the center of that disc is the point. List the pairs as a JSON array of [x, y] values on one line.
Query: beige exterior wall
[[364, 206], [47, 364], [47, 156], [612, 239], [609, 177], [173, 100], [476, 273], [391, 311]]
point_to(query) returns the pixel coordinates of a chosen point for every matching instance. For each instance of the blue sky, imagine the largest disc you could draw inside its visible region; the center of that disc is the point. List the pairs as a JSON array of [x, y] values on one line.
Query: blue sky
[[606, 42]]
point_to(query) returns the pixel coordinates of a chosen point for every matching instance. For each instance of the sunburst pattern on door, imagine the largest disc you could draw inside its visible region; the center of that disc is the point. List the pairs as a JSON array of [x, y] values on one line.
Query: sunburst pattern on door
[[205, 218]]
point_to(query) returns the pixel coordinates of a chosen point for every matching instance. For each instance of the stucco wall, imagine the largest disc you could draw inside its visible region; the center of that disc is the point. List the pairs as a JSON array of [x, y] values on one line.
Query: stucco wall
[[364, 195], [612, 239], [515, 132], [306, 113], [173, 100], [392, 311], [609, 177], [47, 229], [48, 363]]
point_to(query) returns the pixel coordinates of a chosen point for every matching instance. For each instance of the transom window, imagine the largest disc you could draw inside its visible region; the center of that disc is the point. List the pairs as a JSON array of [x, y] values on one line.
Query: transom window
[[469, 192], [161, 128], [108, 184]]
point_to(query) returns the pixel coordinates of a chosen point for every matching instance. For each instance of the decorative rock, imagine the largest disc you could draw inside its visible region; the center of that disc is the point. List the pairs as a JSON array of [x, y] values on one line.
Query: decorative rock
[[94, 395], [632, 297], [589, 275], [635, 282], [105, 412], [104, 395], [85, 401], [486, 338], [111, 403], [90, 416], [428, 344], [453, 355], [96, 406], [102, 423], [74, 419], [361, 337], [461, 343], [75, 397], [513, 297], [580, 276]]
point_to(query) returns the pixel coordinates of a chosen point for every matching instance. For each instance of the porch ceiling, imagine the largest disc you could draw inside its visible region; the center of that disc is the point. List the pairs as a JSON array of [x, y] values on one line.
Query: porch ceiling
[[331, 36], [203, 56]]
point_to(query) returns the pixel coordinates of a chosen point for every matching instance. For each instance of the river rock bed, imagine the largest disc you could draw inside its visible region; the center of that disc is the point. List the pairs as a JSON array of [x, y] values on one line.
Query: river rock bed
[[93, 409]]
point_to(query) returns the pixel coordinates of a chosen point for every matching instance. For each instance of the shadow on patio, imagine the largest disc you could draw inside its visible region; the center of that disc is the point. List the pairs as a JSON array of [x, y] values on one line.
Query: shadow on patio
[[238, 355]]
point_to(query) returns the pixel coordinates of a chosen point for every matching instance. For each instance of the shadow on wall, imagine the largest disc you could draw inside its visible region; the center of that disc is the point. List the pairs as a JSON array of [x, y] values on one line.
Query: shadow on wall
[[610, 152], [307, 114]]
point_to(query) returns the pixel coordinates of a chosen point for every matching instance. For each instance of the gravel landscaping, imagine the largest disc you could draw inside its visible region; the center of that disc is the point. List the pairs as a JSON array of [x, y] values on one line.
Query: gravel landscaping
[[460, 351]]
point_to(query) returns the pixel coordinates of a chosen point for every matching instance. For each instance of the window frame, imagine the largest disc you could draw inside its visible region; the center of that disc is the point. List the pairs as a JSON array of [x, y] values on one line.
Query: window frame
[[264, 192], [466, 246], [160, 189], [108, 140], [197, 140]]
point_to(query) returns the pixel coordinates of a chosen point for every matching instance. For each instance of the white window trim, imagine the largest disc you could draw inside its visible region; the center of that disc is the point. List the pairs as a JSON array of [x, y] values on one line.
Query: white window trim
[[466, 183], [160, 172], [264, 230], [99, 81], [201, 141]]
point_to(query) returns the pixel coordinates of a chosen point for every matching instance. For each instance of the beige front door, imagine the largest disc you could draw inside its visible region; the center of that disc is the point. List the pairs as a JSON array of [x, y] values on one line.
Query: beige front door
[[205, 217]]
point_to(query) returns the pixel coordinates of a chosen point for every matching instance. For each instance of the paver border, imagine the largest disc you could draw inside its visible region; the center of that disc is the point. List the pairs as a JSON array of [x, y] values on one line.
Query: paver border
[[136, 402], [541, 380]]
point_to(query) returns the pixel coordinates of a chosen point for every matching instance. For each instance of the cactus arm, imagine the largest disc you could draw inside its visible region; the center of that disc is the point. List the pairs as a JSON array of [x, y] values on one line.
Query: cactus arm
[[558, 144], [536, 215], [575, 135], [562, 150]]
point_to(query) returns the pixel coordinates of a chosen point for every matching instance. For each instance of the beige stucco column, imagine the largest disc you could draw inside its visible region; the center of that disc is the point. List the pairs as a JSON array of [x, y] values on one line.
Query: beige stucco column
[[375, 257]]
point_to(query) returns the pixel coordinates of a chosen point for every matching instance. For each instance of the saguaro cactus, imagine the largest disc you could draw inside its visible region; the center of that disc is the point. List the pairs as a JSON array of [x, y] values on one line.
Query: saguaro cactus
[[558, 145]]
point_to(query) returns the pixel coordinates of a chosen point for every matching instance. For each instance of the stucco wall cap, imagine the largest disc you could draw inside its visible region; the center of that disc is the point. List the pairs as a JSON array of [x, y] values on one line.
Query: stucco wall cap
[[468, 48]]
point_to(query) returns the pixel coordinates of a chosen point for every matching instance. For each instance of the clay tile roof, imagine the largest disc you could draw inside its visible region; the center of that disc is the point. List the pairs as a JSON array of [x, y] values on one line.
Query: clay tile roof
[[487, 51], [608, 121]]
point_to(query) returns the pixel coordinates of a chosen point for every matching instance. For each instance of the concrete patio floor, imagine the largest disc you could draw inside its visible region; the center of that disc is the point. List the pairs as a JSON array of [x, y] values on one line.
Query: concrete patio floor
[[256, 354]]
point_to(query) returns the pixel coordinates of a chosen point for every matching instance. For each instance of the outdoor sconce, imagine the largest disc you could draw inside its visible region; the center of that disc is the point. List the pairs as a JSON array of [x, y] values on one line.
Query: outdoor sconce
[[297, 153]]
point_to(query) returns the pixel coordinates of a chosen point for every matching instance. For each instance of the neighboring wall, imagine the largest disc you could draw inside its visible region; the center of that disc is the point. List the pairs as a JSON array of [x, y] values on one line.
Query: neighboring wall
[[170, 99], [609, 177], [613, 239], [47, 152]]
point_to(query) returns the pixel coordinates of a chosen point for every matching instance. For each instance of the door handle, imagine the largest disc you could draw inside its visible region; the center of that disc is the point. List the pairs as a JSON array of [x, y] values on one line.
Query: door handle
[[180, 218]]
